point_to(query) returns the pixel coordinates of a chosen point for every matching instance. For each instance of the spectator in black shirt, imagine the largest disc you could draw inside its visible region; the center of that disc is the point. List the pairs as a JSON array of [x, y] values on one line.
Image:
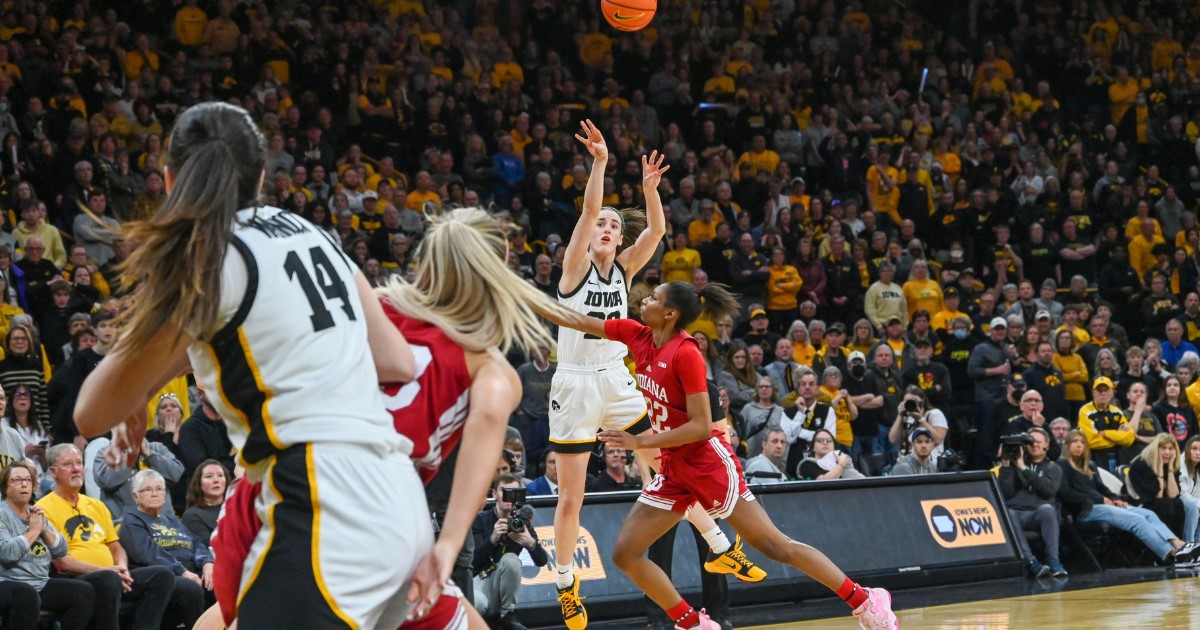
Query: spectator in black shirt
[[204, 436], [613, 478], [1048, 381]]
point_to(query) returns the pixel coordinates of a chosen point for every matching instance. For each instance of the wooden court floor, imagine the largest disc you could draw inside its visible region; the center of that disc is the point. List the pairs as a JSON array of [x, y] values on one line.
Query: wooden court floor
[[1160, 604]]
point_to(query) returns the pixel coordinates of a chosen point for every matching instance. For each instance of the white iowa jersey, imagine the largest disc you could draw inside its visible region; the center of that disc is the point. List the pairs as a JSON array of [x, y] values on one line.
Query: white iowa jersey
[[602, 299], [290, 363]]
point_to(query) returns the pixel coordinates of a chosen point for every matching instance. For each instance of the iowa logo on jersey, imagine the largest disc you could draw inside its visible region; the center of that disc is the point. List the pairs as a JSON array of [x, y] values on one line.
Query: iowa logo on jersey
[[554, 405]]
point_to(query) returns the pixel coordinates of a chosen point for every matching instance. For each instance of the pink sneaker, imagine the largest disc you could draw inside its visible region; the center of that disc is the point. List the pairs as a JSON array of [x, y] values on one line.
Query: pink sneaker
[[705, 623], [876, 613]]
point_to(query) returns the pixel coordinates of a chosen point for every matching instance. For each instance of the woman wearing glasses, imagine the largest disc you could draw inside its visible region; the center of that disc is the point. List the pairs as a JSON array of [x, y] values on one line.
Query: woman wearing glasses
[[823, 463], [153, 536], [28, 543]]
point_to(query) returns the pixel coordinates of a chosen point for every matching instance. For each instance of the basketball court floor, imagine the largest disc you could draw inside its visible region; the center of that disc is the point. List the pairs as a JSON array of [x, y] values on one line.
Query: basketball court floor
[[1125, 599]]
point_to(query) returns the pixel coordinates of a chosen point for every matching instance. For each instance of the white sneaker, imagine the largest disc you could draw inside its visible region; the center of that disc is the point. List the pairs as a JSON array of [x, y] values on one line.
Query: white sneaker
[[876, 613]]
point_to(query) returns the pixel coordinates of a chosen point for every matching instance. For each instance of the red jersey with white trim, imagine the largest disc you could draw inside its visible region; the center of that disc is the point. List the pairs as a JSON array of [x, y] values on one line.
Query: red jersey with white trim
[[666, 375], [431, 409]]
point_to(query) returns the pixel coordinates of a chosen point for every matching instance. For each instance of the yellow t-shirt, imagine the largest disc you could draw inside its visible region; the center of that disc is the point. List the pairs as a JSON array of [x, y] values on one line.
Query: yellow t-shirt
[[190, 23], [505, 73], [678, 265], [884, 201], [134, 61], [923, 294], [1121, 95], [593, 47], [765, 162], [88, 527], [701, 232], [416, 200]]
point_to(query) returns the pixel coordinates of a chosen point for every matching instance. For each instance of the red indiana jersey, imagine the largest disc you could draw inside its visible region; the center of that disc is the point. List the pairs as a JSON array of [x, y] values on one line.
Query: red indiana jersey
[[666, 375], [432, 409]]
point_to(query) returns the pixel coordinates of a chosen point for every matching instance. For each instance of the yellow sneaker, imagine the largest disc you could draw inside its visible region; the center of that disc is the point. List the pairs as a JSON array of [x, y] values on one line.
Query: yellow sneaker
[[736, 563], [573, 613]]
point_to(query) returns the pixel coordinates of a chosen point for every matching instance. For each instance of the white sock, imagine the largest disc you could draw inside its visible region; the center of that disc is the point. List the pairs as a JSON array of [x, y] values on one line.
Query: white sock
[[564, 577], [716, 540]]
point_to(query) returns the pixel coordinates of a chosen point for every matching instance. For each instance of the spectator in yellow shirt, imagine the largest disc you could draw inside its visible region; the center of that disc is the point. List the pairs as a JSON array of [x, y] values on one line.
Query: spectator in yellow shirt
[[703, 229], [1072, 366], [783, 283], [190, 24], [140, 55], [1141, 248], [761, 159], [506, 70], [922, 292], [1121, 93], [678, 264], [423, 193], [883, 191]]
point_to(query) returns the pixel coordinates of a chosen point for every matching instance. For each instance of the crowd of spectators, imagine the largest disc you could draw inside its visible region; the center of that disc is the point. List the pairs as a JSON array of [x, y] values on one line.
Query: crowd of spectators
[[930, 210]]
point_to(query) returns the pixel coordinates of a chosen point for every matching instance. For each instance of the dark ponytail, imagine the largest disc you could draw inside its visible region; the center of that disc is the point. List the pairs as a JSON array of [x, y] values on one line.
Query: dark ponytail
[[216, 156], [714, 301]]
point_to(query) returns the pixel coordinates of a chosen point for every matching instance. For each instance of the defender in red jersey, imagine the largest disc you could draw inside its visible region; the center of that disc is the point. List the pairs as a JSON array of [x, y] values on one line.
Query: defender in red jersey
[[695, 467], [458, 325]]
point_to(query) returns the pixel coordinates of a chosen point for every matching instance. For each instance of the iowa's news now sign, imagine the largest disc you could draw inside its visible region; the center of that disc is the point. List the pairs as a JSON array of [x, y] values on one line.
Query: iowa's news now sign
[[895, 530]]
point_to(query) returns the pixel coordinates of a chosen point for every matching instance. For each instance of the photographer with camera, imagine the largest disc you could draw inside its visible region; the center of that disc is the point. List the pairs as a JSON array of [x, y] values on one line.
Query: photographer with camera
[[1031, 416], [501, 533], [1029, 482], [915, 412]]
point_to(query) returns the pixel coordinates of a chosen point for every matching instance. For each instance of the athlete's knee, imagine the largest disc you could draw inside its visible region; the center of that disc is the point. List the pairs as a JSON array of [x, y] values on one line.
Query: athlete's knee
[[624, 558]]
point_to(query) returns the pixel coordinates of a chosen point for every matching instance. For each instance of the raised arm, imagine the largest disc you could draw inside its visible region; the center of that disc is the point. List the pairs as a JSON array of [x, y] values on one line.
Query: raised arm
[[638, 254], [118, 389], [576, 259]]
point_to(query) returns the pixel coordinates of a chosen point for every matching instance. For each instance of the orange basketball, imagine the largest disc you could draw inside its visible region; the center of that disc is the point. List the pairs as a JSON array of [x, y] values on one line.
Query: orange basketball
[[628, 15]]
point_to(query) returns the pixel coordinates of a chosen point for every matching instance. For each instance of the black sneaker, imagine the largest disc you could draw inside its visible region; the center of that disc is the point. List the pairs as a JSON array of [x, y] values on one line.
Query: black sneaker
[[508, 621], [1187, 554]]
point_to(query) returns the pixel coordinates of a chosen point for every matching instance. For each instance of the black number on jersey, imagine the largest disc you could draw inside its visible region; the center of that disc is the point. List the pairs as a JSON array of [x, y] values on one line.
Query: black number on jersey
[[328, 284], [599, 315]]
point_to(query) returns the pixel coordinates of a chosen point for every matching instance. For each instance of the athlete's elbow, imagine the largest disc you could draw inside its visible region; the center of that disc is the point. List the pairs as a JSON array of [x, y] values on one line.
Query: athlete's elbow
[[400, 368], [88, 422]]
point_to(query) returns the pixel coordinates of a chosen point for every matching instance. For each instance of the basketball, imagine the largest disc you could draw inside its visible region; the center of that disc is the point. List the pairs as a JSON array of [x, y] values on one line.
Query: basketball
[[628, 15]]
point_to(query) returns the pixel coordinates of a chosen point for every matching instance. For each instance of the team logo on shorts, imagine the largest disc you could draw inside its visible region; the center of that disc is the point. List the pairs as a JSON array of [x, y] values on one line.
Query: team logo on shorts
[[554, 405]]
